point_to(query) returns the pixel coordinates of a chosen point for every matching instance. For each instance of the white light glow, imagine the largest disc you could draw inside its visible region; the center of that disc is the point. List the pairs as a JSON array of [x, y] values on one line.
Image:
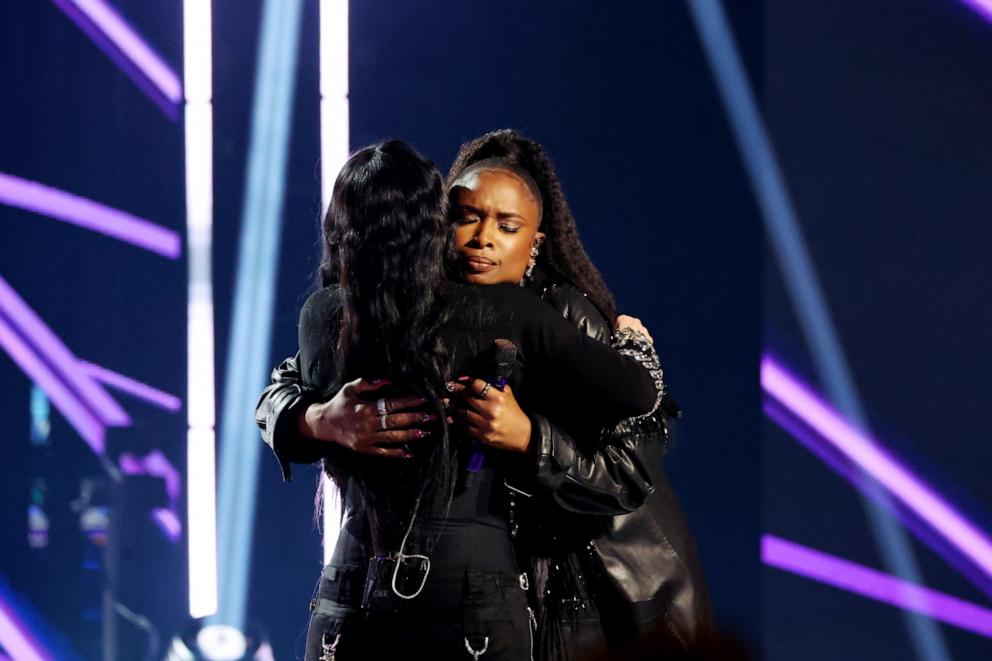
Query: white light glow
[[334, 144], [201, 510], [200, 368], [220, 642], [334, 109], [197, 50], [199, 167], [333, 48], [331, 516], [201, 474], [334, 149]]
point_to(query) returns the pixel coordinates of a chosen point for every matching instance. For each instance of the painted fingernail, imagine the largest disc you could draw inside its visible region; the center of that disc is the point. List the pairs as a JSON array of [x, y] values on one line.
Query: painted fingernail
[[378, 381], [408, 455], [419, 433], [428, 417], [450, 420], [463, 378]]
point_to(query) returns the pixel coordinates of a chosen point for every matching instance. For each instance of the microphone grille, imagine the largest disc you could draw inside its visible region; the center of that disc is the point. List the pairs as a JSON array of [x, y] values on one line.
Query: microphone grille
[[506, 355]]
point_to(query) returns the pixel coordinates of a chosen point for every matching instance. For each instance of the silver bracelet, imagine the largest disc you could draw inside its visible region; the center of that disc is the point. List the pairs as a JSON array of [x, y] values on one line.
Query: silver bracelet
[[636, 345]]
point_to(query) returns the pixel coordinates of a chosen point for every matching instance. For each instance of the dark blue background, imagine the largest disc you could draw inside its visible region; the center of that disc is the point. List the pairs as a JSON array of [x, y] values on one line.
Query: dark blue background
[[879, 114]]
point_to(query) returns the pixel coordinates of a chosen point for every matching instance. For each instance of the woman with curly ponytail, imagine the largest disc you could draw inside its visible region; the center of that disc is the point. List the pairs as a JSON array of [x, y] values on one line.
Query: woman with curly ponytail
[[562, 253], [616, 564]]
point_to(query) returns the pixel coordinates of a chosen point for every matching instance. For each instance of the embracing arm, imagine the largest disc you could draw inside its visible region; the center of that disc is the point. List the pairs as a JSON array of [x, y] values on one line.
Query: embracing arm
[[605, 476], [588, 473], [578, 373], [300, 427], [607, 473], [278, 413], [607, 480], [582, 374]]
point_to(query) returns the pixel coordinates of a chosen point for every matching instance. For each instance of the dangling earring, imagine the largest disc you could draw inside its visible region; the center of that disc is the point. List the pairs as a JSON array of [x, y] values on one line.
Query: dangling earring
[[533, 260]]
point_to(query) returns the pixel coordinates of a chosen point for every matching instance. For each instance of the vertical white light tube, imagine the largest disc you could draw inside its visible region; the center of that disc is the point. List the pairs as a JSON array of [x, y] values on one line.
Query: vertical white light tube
[[200, 442], [334, 149]]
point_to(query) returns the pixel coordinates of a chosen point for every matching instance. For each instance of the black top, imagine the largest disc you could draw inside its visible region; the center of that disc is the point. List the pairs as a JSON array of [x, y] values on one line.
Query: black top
[[556, 366]]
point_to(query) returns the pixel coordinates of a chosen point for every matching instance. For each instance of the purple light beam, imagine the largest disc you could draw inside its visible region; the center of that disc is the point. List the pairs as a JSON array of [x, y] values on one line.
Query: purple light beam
[[846, 575], [17, 639], [154, 464], [24, 633], [983, 7], [124, 45], [169, 523], [131, 386], [46, 344], [80, 417], [861, 481], [58, 204], [867, 453]]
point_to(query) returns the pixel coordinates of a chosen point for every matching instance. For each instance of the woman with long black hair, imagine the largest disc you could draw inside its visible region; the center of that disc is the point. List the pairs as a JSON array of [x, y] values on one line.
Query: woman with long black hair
[[424, 565]]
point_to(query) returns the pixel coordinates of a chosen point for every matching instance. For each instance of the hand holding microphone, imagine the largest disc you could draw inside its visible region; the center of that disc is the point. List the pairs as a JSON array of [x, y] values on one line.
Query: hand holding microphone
[[487, 408]]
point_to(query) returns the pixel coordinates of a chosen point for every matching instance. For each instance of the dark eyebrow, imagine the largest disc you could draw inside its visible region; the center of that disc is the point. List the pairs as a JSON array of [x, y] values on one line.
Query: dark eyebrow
[[503, 215]]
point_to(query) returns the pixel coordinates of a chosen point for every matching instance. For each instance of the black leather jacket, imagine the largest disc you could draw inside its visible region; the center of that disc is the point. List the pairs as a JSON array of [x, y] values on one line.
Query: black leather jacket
[[638, 533]]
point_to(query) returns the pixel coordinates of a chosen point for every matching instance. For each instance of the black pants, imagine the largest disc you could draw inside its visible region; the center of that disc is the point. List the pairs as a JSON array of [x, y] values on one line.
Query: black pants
[[458, 616]]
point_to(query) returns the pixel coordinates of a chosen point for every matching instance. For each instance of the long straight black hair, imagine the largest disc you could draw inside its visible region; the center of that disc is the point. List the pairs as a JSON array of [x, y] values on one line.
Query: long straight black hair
[[385, 241]]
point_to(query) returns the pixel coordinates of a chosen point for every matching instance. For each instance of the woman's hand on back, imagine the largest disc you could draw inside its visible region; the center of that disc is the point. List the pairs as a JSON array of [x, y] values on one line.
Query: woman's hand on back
[[497, 420], [351, 418], [633, 323]]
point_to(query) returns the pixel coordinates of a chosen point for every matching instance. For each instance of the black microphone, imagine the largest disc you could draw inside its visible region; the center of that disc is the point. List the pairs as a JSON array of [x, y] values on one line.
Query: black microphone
[[503, 363], [506, 356]]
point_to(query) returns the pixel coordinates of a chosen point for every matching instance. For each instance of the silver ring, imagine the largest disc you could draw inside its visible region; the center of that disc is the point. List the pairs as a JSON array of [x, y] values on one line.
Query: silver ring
[[382, 422], [485, 390], [380, 406]]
